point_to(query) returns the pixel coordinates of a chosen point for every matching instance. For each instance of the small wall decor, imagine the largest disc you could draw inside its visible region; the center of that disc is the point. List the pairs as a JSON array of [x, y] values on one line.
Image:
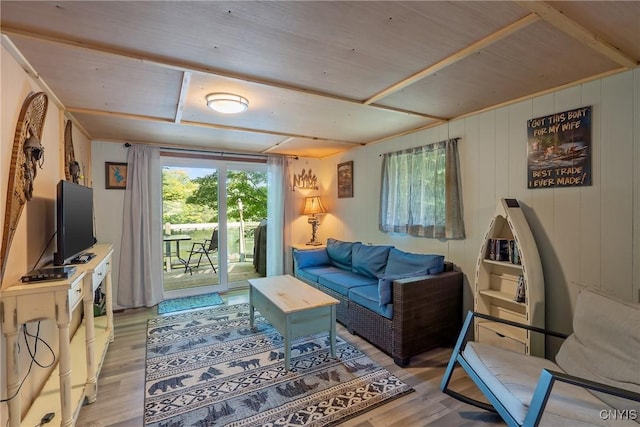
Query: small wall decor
[[115, 175], [345, 179], [305, 181], [27, 155], [71, 166], [559, 149]]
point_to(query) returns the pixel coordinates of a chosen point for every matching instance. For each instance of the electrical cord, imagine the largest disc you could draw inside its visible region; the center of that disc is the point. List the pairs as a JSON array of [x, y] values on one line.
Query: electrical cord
[[44, 250], [32, 354], [25, 332]]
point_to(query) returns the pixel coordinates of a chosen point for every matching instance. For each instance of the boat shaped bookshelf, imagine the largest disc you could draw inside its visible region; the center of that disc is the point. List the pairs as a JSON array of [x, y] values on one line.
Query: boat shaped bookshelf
[[499, 278]]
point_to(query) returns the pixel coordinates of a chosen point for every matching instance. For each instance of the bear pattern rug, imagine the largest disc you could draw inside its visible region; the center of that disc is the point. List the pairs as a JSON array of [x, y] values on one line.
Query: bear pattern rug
[[209, 368]]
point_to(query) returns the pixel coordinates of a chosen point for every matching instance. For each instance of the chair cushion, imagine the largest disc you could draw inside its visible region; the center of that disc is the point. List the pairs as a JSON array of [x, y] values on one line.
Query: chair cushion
[[313, 273], [311, 258], [400, 262], [385, 284], [369, 260], [605, 345], [513, 377], [344, 280], [367, 296], [340, 253]]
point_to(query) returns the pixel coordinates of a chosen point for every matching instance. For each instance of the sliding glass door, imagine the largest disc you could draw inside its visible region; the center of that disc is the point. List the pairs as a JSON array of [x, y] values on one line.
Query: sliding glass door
[[211, 209]]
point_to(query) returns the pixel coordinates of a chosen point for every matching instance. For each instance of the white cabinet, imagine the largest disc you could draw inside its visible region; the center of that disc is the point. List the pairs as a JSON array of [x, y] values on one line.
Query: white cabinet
[[498, 276], [80, 358]]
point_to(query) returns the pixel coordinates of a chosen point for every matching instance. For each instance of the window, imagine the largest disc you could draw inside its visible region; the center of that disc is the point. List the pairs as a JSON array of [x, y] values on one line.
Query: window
[[420, 193]]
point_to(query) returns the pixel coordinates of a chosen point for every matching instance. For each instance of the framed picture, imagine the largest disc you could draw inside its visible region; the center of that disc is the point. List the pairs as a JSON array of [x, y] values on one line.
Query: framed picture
[[115, 175], [345, 179]]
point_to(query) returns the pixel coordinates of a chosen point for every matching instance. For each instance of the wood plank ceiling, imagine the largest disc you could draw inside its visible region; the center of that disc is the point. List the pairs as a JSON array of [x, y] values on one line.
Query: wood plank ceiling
[[321, 77]]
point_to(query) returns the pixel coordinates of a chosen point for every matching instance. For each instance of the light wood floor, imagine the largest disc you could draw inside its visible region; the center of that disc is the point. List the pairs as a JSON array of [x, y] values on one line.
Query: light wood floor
[[121, 383]]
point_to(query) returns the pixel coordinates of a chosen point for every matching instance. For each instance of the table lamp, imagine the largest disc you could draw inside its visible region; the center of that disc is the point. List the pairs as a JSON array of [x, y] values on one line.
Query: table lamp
[[312, 207]]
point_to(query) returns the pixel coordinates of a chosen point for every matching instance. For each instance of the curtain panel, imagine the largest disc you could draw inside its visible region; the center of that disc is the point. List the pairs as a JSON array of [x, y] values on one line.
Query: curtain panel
[[278, 230], [140, 270], [420, 192]]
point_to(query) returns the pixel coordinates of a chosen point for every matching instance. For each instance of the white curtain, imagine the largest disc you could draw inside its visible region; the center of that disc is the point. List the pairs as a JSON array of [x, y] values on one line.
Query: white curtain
[[420, 192], [278, 200], [140, 271]]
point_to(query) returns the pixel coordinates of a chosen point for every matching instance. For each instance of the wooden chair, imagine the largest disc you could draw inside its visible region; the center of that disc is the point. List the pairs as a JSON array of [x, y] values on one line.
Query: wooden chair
[[201, 249]]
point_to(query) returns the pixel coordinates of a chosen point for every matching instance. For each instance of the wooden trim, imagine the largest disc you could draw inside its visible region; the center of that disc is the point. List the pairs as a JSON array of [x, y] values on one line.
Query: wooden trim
[[568, 26], [184, 89], [200, 124], [231, 157], [458, 56]]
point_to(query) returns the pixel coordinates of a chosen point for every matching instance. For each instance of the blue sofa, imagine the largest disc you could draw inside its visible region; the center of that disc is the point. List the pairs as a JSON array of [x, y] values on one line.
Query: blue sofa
[[403, 303]]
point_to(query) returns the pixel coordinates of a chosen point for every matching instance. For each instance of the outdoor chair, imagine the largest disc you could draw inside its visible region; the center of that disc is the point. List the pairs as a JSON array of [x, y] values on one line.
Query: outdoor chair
[[200, 249], [594, 381]]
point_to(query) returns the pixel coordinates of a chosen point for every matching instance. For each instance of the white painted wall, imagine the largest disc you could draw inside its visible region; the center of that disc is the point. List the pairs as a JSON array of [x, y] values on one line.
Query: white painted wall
[[586, 236], [108, 204]]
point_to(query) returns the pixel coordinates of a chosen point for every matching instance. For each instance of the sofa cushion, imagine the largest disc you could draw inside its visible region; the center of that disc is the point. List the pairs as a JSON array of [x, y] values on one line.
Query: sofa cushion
[[340, 253], [513, 377], [369, 260], [595, 353], [344, 280], [385, 284], [313, 273], [367, 296], [311, 258], [400, 262]]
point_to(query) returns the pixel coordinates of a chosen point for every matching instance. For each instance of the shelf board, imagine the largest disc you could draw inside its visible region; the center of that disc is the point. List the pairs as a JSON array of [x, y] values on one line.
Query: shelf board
[[512, 332], [49, 398], [503, 264], [502, 296]]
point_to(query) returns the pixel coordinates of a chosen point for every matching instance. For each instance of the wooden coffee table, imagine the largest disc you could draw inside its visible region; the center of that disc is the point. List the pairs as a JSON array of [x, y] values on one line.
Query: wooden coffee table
[[294, 308]]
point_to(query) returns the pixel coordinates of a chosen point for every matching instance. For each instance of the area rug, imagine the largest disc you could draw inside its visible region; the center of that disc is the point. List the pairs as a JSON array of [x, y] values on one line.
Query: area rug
[[188, 303], [209, 368]]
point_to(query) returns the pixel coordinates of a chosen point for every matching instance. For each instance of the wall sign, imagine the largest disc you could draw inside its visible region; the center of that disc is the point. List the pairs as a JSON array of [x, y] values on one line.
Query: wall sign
[[559, 150], [305, 181]]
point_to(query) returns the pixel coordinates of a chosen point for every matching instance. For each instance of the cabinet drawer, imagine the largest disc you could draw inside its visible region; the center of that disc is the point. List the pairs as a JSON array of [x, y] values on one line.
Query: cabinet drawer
[[489, 336], [100, 272], [75, 295]]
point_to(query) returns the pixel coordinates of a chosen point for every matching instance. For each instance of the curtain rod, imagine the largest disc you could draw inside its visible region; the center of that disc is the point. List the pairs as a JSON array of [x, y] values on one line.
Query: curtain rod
[[410, 148], [214, 152]]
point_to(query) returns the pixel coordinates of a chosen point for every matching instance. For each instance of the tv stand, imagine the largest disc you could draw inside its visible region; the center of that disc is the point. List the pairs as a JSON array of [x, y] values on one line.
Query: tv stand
[[70, 383]]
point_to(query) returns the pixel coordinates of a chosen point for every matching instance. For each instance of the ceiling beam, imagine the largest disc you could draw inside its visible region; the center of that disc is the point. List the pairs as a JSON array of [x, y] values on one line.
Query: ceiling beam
[[173, 64], [457, 56], [568, 26], [184, 89], [129, 116]]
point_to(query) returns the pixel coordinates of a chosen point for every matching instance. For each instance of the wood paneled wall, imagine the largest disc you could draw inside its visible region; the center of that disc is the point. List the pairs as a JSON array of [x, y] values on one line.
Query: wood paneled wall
[[586, 235]]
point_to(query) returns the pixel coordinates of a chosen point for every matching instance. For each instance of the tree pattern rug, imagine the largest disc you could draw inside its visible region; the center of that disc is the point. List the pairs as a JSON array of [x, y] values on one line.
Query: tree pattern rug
[[209, 368]]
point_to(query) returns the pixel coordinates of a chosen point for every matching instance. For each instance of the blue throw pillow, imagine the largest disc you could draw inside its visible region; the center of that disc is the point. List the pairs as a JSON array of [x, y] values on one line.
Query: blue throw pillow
[[385, 282], [311, 258], [340, 253], [400, 262], [369, 260]]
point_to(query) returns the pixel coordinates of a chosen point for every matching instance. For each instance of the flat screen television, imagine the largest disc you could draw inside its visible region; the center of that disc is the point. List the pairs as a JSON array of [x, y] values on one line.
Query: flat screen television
[[74, 221]]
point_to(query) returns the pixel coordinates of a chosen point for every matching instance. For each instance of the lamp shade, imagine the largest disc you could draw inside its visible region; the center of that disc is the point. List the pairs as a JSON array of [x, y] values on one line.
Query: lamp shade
[[227, 103], [312, 206]]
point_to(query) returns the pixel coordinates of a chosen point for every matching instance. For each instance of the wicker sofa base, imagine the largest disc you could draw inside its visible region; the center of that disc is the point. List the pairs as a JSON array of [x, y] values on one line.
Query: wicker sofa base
[[427, 314]]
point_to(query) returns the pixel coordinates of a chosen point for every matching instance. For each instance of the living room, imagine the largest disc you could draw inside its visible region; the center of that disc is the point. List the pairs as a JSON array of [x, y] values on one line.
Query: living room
[[585, 236]]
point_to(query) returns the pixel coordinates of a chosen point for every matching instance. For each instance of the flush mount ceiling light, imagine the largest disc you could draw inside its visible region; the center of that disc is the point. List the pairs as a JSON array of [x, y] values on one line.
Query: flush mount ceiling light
[[227, 103]]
